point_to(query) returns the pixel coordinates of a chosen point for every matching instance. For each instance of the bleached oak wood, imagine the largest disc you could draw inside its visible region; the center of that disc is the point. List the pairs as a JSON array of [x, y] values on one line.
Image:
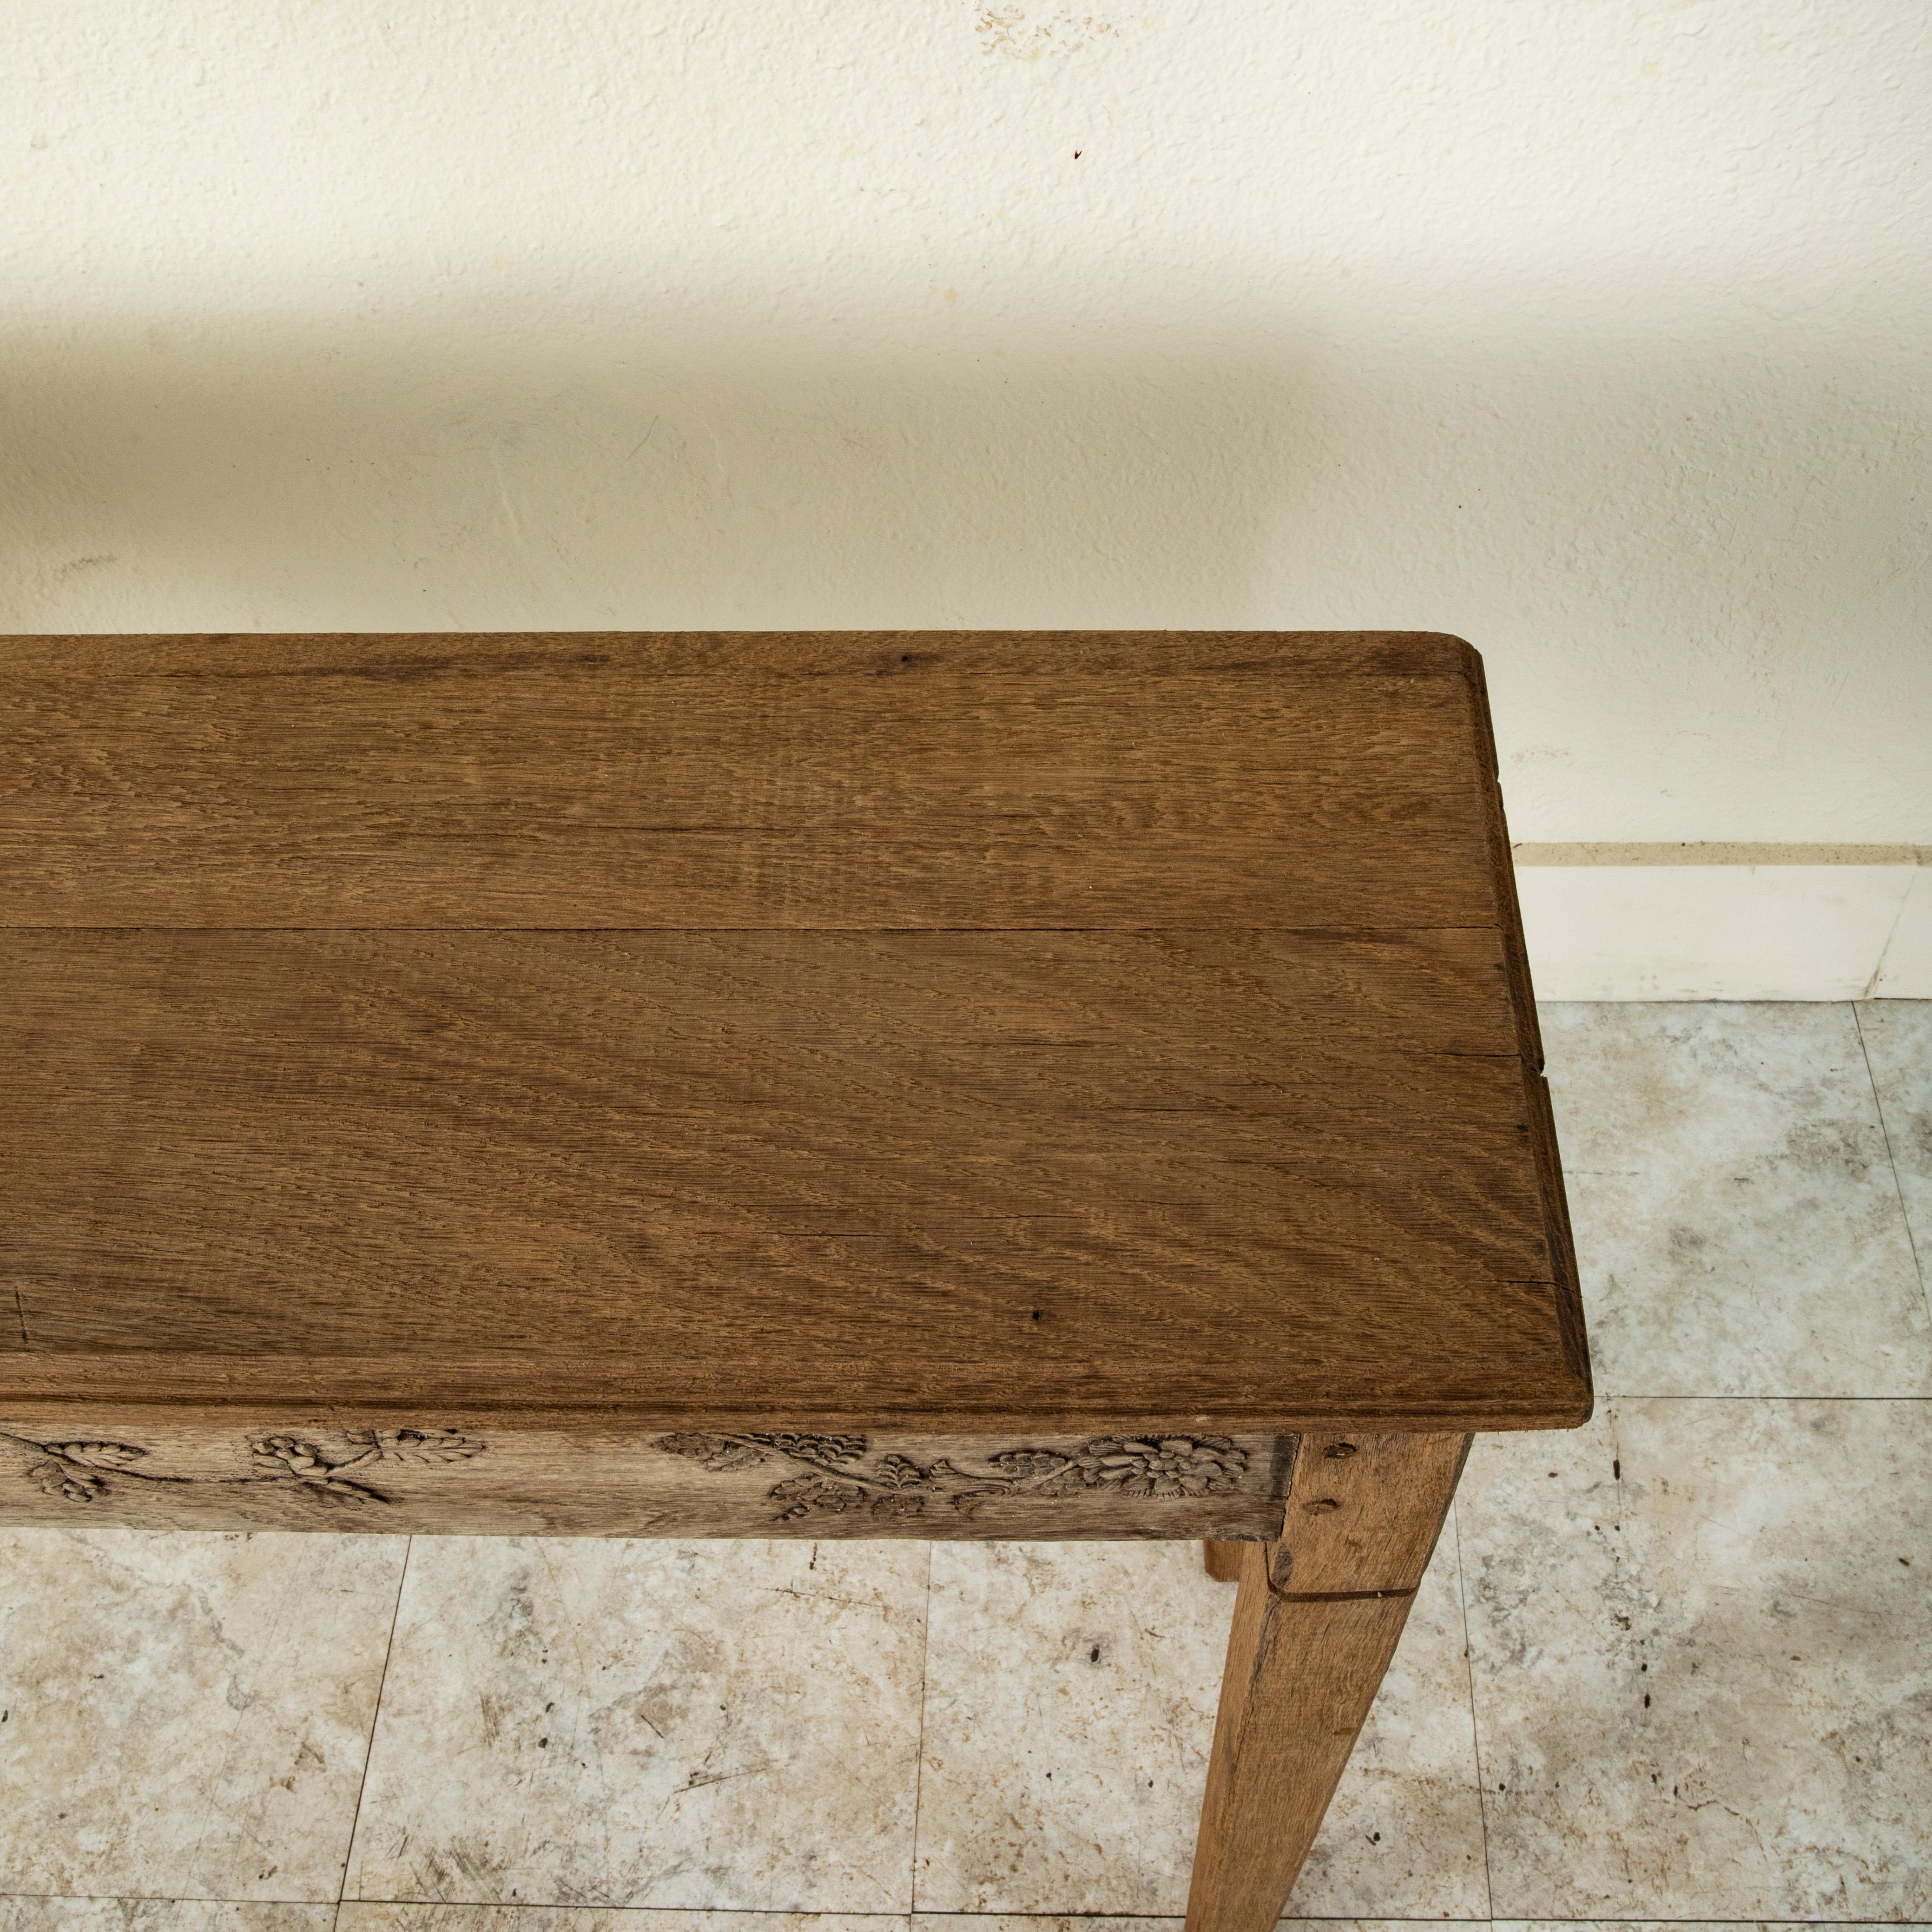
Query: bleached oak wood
[[955, 1035], [1039, 1085], [1306, 1656], [145, 1468]]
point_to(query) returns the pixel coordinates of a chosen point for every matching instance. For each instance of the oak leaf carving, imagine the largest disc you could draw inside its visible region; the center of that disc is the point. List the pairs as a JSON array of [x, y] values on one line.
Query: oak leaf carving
[[1168, 1466], [1022, 1465], [57, 1479], [839, 1483], [717, 1452], [424, 1445], [97, 1455], [79, 1471], [801, 1495]]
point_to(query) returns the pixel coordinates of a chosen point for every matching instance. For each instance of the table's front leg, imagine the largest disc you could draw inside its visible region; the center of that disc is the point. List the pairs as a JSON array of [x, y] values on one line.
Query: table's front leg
[[1315, 1623]]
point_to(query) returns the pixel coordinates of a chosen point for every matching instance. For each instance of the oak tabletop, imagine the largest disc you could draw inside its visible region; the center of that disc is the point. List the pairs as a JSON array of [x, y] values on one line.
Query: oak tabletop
[[948, 1031]]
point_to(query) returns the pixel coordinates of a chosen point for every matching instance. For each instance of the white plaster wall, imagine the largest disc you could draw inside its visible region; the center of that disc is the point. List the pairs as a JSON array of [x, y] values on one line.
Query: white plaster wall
[[1596, 331], [1729, 931]]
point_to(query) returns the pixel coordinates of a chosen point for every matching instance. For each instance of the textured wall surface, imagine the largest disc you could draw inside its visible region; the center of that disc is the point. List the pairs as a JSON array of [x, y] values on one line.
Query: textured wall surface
[[1596, 331]]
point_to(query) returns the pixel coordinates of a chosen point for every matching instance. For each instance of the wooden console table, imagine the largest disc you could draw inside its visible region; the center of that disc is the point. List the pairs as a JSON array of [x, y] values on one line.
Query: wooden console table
[[1037, 1085]]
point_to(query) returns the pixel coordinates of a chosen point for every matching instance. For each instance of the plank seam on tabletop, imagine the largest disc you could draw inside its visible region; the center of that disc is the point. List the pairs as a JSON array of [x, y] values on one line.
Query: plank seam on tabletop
[[369, 1746], [1885, 1133], [1469, 1678]]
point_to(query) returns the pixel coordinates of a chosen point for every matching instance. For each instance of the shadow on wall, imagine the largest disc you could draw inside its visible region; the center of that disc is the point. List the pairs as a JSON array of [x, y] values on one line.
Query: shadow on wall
[[354, 480], [1695, 565]]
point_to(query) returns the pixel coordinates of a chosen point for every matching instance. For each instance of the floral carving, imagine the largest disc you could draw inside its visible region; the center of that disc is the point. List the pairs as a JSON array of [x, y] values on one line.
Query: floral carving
[[82, 1472], [1167, 1466], [839, 1480], [740, 1452]]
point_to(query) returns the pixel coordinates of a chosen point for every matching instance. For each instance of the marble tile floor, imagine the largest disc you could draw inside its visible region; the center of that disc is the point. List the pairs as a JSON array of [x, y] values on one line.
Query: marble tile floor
[[1675, 1666]]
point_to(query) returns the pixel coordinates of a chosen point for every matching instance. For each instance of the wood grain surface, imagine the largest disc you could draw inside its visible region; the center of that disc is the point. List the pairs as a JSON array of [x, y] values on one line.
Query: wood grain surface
[[1364, 1511], [625, 782], [1221, 1560], [1305, 1659], [955, 1035], [288, 1469]]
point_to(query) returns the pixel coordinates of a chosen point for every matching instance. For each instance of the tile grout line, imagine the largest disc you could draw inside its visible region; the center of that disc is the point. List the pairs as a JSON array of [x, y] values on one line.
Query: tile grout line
[[160, 1898], [1475, 1729], [369, 1750], [641, 1911], [1885, 1134], [919, 1761]]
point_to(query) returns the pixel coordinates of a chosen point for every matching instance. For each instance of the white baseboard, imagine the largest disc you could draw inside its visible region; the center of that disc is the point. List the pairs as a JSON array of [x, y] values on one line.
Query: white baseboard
[[1727, 921]]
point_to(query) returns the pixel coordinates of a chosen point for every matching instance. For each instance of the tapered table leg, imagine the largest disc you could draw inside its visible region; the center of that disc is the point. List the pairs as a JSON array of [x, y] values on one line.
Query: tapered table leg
[[1223, 1561], [1315, 1623]]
